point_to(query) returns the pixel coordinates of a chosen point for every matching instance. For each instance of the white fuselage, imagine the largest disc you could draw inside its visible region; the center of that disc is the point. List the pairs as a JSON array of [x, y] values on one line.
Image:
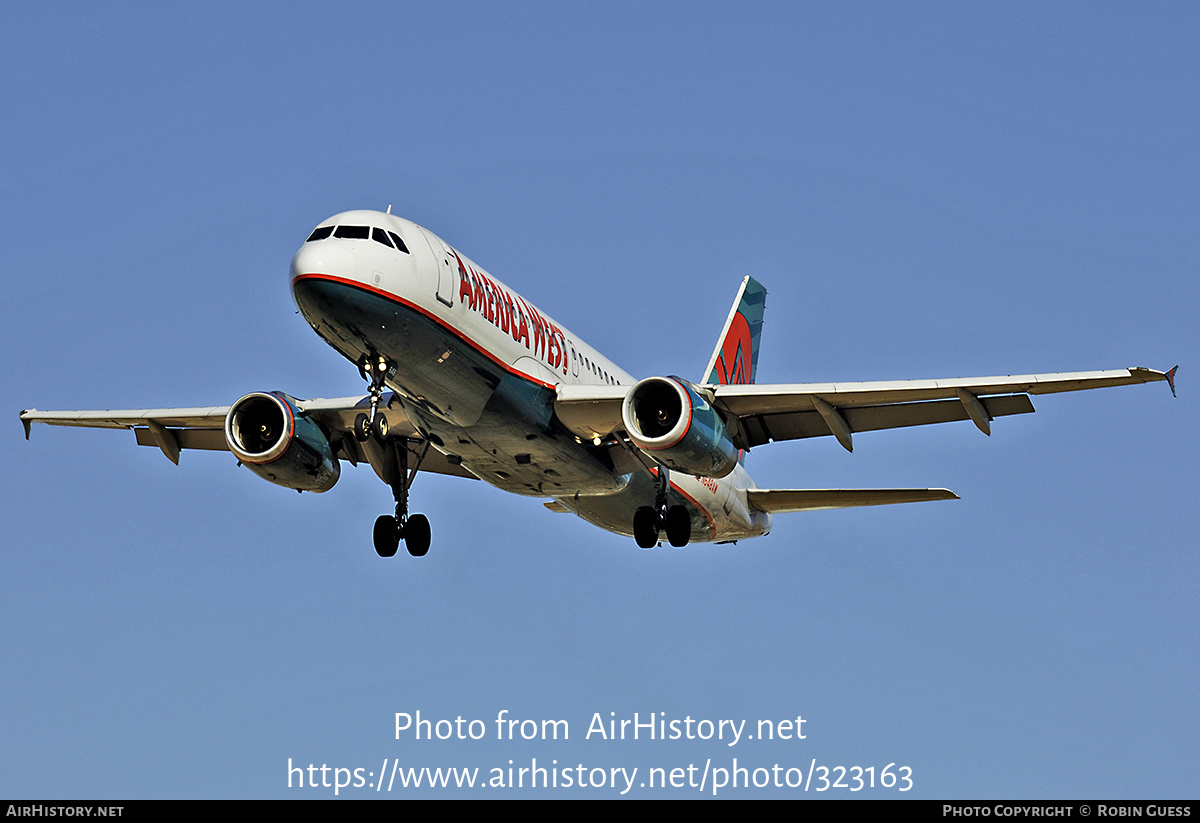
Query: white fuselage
[[478, 367]]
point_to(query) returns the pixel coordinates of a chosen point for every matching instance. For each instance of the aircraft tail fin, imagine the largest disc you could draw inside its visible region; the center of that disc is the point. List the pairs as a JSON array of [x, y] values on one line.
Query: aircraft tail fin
[[735, 359]]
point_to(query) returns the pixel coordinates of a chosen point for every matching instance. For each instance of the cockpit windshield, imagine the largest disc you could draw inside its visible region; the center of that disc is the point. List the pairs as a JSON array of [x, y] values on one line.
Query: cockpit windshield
[[384, 238]]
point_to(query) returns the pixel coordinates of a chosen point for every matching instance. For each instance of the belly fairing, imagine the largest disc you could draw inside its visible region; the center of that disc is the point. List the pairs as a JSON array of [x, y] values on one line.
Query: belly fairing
[[717, 512]]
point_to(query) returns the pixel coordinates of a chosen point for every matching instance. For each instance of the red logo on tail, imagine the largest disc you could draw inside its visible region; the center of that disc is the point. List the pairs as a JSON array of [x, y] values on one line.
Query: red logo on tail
[[733, 364]]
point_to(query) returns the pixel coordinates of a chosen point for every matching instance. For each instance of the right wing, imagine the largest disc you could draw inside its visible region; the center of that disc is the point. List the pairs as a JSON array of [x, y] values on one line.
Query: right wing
[[173, 430]]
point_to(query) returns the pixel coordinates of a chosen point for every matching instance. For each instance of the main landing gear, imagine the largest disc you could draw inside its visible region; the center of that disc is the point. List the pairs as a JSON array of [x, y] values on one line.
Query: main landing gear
[[391, 529], [648, 521]]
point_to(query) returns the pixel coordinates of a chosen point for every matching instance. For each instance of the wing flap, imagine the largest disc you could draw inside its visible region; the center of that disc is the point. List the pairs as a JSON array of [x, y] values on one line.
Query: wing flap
[[204, 439], [780, 501], [795, 425]]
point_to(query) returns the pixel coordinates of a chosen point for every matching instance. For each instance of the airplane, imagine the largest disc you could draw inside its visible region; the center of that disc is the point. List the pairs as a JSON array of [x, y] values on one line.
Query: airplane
[[467, 378]]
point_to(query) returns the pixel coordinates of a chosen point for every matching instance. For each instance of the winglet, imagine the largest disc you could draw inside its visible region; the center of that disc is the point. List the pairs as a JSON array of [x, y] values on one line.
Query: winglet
[[1170, 382], [25, 421]]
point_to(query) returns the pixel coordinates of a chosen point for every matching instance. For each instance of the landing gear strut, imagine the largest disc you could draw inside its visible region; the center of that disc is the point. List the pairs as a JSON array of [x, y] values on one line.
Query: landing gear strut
[[648, 521], [391, 529], [374, 369]]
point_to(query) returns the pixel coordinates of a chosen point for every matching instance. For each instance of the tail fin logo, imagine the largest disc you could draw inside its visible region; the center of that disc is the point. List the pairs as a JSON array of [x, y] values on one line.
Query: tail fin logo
[[733, 363]]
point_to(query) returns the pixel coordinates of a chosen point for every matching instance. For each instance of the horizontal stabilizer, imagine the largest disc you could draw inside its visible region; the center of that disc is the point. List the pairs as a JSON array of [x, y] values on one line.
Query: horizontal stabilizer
[[804, 500]]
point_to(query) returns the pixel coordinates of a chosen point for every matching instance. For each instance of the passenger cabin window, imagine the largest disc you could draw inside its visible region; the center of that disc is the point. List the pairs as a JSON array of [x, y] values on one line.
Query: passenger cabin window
[[320, 233], [352, 232]]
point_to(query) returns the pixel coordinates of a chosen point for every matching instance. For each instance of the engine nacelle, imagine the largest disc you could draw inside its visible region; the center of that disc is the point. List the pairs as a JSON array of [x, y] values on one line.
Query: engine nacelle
[[274, 440], [667, 418]]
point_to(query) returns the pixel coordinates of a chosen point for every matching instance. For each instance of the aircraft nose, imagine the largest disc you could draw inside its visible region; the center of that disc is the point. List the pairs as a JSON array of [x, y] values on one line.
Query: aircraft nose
[[322, 257]]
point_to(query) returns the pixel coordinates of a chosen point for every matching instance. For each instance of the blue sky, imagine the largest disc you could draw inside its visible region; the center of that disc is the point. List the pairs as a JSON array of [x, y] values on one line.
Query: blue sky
[[929, 190]]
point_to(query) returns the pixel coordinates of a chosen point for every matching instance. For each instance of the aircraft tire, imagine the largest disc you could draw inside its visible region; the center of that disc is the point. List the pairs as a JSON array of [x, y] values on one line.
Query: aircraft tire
[[678, 526], [645, 530], [380, 428], [362, 428], [417, 535], [387, 540]]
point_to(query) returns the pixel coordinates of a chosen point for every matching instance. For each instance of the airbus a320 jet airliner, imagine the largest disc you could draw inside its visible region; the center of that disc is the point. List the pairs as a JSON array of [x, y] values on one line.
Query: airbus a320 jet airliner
[[465, 377]]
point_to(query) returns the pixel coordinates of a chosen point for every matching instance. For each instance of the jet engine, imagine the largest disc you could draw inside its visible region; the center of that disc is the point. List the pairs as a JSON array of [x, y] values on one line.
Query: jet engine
[[276, 441], [667, 418]]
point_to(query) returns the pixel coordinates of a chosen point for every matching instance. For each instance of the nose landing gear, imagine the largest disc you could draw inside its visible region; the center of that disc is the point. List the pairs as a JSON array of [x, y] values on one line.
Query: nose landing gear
[[374, 368], [390, 529]]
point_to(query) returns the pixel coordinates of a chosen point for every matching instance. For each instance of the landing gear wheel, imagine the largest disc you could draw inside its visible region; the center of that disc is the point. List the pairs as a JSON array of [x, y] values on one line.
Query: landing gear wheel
[[387, 536], [417, 535], [678, 526], [380, 428], [645, 527], [391, 529]]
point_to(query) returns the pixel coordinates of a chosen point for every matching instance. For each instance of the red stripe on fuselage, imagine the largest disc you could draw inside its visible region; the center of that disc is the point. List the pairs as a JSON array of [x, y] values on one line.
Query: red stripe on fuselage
[[452, 329]]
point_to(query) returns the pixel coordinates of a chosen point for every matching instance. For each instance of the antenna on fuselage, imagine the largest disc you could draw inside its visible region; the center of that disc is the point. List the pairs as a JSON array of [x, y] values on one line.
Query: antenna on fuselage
[[389, 211]]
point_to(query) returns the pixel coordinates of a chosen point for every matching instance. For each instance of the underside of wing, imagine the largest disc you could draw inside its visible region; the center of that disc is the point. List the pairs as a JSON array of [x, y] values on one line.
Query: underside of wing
[[590, 411], [171, 430], [778, 501], [789, 412], [758, 414], [174, 430]]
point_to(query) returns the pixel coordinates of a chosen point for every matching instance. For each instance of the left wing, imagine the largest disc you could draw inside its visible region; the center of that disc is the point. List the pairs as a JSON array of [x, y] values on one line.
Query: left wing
[[758, 414]]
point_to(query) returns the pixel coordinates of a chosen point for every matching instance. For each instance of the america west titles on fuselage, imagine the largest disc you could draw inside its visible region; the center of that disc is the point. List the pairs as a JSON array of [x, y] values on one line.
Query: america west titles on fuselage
[[497, 305], [468, 378]]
